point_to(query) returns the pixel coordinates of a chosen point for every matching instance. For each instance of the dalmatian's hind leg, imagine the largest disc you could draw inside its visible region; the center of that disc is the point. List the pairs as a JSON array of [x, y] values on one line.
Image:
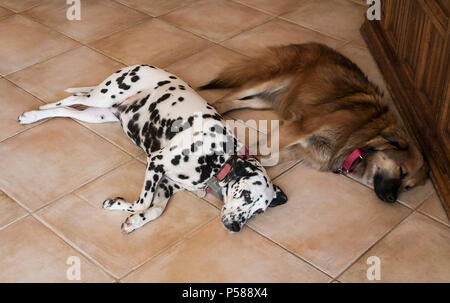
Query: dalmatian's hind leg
[[166, 189], [83, 90], [90, 115]]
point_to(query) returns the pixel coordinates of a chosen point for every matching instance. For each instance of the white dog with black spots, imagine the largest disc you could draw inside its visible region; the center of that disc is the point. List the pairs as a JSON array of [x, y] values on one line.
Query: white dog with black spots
[[186, 141]]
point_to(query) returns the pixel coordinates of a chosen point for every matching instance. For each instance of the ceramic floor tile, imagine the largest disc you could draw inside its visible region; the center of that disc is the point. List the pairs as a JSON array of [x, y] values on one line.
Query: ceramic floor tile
[[276, 32], [9, 210], [156, 7], [14, 101], [415, 251], [112, 184], [414, 197], [53, 158], [360, 42], [5, 12], [336, 18], [20, 5], [32, 253], [136, 45], [212, 254], [417, 195], [76, 68], [204, 66], [331, 219], [114, 133], [41, 43], [277, 170], [99, 18], [142, 158], [97, 231], [433, 207], [273, 7], [360, 2], [216, 20]]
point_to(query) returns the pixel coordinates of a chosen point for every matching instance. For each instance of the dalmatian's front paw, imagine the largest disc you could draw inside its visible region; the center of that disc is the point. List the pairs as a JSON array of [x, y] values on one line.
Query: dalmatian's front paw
[[118, 203], [29, 117], [129, 225]]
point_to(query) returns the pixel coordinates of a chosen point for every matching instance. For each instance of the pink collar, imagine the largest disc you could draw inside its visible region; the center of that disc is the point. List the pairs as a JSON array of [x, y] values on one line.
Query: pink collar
[[352, 161], [227, 167], [212, 185]]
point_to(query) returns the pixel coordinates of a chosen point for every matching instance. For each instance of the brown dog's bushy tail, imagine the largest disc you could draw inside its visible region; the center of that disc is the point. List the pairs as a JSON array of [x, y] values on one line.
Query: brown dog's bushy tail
[[266, 65], [233, 76]]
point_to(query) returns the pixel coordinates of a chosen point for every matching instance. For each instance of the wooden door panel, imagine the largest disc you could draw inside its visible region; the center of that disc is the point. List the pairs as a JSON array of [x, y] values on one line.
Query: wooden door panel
[[411, 45]]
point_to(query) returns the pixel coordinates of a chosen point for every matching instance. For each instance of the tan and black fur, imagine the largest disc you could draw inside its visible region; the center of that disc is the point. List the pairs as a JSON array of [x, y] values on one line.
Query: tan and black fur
[[328, 108]]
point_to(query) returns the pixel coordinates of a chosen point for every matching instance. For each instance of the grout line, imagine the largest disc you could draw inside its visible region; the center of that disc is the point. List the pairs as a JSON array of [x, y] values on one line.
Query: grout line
[[189, 56], [21, 11], [175, 243], [249, 29], [147, 13], [145, 18], [433, 218], [290, 252], [288, 169], [315, 30], [374, 244], [73, 245], [186, 31], [14, 221], [43, 61], [107, 140], [71, 191], [17, 201], [257, 8]]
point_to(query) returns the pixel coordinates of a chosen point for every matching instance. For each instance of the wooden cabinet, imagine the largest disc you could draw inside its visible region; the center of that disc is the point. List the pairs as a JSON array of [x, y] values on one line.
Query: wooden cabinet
[[411, 45]]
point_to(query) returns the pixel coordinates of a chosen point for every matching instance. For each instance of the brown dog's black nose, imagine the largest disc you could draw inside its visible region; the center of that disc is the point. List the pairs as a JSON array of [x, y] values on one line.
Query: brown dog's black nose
[[386, 188]]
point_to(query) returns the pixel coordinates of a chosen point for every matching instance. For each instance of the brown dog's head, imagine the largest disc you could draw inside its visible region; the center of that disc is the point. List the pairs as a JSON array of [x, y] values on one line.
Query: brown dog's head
[[394, 164]]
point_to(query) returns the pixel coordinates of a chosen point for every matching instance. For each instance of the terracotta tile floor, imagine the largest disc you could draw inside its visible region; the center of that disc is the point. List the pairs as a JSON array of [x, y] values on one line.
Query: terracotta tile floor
[[55, 174]]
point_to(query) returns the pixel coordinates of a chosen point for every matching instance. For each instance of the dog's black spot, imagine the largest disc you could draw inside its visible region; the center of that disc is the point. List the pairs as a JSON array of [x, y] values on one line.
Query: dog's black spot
[[183, 177], [104, 91], [161, 83], [176, 160]]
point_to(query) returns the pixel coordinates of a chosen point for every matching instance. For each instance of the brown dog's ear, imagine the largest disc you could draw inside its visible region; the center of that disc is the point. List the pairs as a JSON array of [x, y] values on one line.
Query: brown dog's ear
[[391, 139]]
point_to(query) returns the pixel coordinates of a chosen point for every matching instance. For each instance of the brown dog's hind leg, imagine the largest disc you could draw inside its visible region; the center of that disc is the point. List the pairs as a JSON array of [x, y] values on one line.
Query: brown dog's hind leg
[[261, 95], [254, 103]]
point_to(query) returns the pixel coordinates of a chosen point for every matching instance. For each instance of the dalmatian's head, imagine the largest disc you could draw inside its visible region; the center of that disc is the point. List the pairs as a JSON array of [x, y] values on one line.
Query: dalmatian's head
[[247, 190]]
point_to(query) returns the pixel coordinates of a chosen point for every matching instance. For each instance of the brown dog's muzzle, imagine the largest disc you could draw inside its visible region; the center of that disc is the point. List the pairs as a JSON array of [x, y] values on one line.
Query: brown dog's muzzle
[[387, 189]]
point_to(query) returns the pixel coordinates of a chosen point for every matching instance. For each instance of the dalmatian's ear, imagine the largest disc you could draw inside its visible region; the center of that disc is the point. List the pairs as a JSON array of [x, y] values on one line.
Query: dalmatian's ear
[[279, 197]]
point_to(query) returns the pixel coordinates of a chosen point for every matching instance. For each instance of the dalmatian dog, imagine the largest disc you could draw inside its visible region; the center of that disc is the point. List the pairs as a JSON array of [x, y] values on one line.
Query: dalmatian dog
[[186, 141]]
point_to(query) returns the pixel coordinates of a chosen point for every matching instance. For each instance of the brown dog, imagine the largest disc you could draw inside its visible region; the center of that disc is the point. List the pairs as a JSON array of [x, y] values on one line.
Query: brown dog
[[332, 112]]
